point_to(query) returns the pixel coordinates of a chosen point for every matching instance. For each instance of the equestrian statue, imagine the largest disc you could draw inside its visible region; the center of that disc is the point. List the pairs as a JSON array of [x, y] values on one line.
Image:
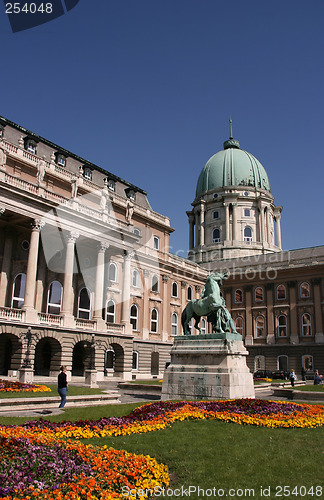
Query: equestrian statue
[[212, 305]]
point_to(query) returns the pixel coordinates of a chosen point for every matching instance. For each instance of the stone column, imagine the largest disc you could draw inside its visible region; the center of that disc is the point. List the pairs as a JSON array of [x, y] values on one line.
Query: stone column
[[227, 223], [270, 314], [29, 299], [191, 219], [278, 230], [67, 300], [294, 331], [249, 317], [268, 226], [5, 269], [202, 223], [100, 279], [234, 223], [197, 239], [319, 336], [166, 321], [146, 309], [261, 222], [125, 318]]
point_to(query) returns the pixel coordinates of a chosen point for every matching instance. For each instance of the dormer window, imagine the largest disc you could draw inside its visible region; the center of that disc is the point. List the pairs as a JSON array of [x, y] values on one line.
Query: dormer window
[[130, 194], [30, 145], [111, 185], [87, 173], [60, 159]]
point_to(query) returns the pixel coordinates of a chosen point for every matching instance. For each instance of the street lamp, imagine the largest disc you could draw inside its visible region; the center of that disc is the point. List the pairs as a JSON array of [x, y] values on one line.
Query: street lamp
[[93, 345], [27, 363]]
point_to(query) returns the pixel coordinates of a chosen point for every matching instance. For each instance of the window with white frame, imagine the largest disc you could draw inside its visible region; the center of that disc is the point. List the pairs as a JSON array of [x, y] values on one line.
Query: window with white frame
[[60, 159], [239, 325], [189, 293], [54, 298], [87, 173], [174, 324], [259, 362], [31, 146], [216, 235], [304, 290], [134, 317], [281, 292], [203, 326], [259, 294], [135, 278], [156, 243], [84, 304], [154, 320], [112, 272], [18, 292], [174, 289], [306, 325], [238, 296], [135, 361], [247, 212], [111, 185], [155, 283], [259, 327], [247, 234], [282, 325], [111, 311]]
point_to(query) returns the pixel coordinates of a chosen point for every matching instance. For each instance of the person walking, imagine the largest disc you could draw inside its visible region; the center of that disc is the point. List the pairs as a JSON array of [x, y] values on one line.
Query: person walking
[[62, 385], [292, 377]]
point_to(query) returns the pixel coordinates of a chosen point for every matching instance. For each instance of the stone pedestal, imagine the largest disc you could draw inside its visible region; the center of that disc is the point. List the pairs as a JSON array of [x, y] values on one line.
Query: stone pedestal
[[91, 378], [208, 367], [26, 375]]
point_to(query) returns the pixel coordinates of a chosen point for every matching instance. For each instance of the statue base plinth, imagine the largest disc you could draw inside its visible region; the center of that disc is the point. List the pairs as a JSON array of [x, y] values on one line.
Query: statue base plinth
[[26, 375], [208, 367], [91, 378]]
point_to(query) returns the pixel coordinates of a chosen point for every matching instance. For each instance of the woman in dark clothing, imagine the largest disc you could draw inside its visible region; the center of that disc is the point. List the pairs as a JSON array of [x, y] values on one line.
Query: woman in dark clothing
[[62, 385], [317, 378]]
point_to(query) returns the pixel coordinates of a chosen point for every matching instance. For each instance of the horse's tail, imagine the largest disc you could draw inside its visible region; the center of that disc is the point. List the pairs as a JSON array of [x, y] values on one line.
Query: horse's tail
[[184, 319]]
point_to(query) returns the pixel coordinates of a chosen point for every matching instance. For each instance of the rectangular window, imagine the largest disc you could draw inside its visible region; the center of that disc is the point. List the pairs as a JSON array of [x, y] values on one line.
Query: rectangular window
[[156, 243], [247, 212]]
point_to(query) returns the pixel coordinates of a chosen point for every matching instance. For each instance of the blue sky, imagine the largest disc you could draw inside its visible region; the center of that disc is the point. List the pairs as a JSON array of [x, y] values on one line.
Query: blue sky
[[145, 89]]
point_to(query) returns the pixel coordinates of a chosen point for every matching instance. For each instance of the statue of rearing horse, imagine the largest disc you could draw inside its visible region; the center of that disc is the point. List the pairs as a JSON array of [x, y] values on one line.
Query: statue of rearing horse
[[210, 304]]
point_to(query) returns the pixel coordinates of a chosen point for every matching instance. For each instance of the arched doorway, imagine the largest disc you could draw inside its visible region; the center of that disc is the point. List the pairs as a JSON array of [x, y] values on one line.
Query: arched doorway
[[10, 353], [114, 359], [47, 357], [81, 358]]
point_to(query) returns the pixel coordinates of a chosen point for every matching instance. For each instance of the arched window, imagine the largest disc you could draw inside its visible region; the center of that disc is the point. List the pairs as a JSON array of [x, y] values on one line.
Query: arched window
[[174, 324], [112, 273], [248, 234], [54, 298], [238, 296], [110, 360], [307, 362], [259, 362], [174, 289], [282, 362], [156, 243], [282, 326], [111, 312], [203, 326], [18, 291], [84, 304], [216, 235], [259, 326], [135, 360], [189, 293], [259, 294], [135, 278], [306, 324], [281, 292], [154, 320], [239, 325], [304, 290], [155, 283], [134, 317]]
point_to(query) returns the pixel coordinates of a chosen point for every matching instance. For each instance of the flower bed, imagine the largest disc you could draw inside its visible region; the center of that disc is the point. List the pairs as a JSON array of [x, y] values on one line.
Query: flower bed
[[44, 467], [10, 386]]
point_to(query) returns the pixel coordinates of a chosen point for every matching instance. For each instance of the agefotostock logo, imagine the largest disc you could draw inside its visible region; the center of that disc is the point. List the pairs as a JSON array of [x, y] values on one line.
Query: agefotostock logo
[[30, 13]]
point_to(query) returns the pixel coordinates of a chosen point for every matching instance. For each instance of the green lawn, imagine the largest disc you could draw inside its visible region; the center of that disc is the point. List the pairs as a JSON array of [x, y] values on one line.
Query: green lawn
[[213, 454], [73, 390], [146, 382], [310, 388]]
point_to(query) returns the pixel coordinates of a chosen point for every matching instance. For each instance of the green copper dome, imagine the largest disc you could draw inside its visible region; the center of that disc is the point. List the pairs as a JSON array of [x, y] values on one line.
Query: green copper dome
[[232, 167]]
